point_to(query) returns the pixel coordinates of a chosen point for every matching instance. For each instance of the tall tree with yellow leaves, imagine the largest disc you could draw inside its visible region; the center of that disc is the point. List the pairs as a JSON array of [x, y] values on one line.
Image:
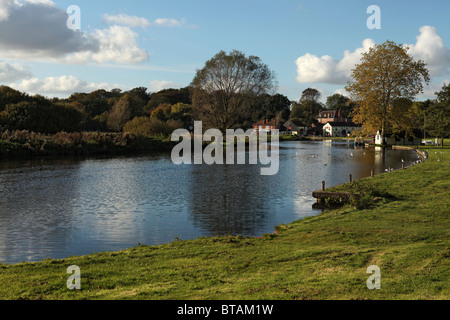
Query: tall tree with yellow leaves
[[386, 74]]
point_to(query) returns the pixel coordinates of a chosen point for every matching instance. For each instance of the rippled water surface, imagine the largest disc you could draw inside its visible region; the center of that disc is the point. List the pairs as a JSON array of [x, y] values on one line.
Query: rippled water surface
[[61, 208]]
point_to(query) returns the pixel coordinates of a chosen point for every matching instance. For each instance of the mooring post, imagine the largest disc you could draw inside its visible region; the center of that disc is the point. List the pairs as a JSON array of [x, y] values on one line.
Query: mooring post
[[323, 185]]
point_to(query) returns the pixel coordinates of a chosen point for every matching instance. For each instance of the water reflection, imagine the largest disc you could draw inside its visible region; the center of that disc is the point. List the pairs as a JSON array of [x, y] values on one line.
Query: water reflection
[[60, 208]]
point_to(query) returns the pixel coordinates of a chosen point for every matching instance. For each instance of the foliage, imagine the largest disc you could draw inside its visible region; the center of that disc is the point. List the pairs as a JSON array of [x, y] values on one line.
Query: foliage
[[10, 96], [41, 115], [338, 101], [144, 126], [123, 111], [439, 114], [271, 107], [169, 96], [386, 73], [307, 109], [226, 87]]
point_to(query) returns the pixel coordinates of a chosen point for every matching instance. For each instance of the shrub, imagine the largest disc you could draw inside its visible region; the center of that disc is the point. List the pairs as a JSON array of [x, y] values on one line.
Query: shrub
[[143, 126]]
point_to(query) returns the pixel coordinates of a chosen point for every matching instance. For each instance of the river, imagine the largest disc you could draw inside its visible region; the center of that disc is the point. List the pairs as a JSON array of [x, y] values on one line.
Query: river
[[56, 208]]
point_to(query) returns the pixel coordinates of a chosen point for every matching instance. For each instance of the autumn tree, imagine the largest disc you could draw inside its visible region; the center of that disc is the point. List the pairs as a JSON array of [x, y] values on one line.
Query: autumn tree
[[123, 111], [225, 88], [386, 73]]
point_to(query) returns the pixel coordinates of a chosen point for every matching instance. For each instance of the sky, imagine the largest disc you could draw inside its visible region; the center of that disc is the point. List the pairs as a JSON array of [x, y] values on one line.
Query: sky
[[160, 44]]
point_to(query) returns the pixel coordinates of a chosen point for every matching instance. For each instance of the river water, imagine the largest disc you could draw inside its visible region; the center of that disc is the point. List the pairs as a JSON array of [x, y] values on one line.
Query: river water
[[66, 207]]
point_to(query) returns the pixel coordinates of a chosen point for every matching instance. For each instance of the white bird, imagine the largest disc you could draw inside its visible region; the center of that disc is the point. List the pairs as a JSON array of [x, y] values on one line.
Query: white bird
[[403, 161], [351, 154]]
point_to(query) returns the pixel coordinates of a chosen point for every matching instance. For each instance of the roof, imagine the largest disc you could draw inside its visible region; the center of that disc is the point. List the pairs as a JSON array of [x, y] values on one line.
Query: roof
[[342, 124], [266, 123], [327, 114]]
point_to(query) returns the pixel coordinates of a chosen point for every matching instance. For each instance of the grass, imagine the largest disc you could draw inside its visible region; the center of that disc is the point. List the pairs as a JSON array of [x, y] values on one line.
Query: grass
[[406, 233]]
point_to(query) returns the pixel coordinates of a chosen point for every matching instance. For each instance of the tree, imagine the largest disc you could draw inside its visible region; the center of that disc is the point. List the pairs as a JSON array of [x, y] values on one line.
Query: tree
[[438, 114], [224, 90], [403, 121], [168, 96], [123, 111], [307, 109], [10, 96], [338, 101], [41, 115], [420, 112], [386, 73], [310, 94]]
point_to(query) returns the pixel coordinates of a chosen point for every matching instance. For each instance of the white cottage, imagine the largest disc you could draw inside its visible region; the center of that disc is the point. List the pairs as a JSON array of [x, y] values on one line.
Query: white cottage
[[339, 129]]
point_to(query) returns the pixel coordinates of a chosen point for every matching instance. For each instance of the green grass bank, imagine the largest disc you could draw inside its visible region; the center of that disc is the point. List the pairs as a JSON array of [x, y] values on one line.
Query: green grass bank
[[403, 227]]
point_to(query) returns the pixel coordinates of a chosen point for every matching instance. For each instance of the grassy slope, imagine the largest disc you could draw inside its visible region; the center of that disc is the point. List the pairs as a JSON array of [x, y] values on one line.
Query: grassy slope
[[322, 257]]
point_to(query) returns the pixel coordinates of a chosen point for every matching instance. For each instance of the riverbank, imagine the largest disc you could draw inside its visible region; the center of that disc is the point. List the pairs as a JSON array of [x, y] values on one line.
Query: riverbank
[[26, 144], [403, 228]]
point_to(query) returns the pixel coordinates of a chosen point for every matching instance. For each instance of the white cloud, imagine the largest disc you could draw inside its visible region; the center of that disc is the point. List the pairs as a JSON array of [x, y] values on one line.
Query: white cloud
[[431, 49], [13, 72], [126, 20], [158, 85], [134, 21], [116, 44], [326, 69], [169, 22], [60, 85]]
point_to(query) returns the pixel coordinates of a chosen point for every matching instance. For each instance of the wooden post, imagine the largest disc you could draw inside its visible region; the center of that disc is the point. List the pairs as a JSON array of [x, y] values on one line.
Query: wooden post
[[323, 185], [403, 165], [350, 178], [371, 173]]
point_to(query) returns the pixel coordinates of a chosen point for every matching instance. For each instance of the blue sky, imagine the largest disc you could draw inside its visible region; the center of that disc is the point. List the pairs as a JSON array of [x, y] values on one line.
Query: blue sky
[[159, 44]]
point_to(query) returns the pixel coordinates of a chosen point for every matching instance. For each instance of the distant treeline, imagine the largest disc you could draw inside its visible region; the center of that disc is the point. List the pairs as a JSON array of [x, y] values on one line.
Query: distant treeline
[[135, 111]]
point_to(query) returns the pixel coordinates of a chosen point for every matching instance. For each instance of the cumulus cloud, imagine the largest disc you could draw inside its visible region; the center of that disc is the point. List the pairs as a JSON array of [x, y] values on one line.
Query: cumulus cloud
[[429, 47], [13, 72], [60, 85], [326, 69], [5, 6], [158, 85], [117, 44], [38, 29], [126, 20]]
